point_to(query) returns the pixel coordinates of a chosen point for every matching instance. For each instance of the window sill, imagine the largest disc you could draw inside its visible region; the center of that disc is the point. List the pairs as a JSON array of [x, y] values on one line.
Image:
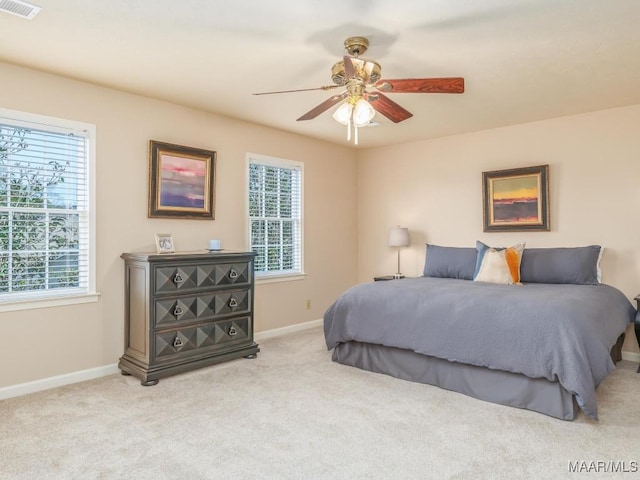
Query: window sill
[[46, 302], [280, 278]]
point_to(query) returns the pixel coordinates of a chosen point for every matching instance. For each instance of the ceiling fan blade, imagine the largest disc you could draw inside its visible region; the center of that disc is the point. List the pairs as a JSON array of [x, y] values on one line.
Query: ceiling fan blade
[[349, 68], [388, 107], [327, 87], [422, 85], [355, 67], [323, 107]]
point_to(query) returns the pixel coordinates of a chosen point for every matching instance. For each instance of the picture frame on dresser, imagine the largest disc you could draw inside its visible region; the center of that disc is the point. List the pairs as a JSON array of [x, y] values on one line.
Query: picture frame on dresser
[[181, 181], [164, 243], [516, 199]]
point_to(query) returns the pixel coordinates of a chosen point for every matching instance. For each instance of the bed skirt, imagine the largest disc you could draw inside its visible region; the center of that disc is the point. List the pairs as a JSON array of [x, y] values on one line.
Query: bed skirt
[[496, 386]]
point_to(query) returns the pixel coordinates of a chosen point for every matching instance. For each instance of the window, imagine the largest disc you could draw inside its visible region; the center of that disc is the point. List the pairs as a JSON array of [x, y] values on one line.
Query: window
[[275, 215], [46, 226]]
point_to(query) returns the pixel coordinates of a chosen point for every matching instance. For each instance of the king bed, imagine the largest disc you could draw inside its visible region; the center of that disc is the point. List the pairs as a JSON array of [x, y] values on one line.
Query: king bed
[[543, 346]]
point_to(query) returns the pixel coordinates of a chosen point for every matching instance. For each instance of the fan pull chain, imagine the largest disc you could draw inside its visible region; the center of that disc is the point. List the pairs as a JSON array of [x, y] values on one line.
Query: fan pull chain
[[355, 134], [349, 129]]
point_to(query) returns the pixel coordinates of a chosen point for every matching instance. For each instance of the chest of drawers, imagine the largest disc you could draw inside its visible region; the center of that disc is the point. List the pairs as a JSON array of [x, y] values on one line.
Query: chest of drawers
[[185, 311]]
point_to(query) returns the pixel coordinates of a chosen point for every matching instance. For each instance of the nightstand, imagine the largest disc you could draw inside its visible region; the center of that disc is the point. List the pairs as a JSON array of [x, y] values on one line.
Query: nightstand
[[637, 323], [385, 277]]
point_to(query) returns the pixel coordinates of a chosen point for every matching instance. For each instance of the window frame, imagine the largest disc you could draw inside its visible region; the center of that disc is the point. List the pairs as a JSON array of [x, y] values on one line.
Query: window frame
[[256, 158], [60, 297]]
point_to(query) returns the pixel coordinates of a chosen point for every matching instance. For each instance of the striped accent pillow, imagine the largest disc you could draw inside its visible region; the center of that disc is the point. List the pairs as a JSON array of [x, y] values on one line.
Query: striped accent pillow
[[498, 265]]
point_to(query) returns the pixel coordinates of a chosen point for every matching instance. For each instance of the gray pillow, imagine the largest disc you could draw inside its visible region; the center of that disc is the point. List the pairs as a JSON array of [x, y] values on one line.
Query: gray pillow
[[450, 262], [576, 265]]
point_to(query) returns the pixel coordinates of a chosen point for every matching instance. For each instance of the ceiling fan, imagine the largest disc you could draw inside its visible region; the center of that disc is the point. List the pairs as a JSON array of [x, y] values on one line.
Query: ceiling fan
[[363, 85]]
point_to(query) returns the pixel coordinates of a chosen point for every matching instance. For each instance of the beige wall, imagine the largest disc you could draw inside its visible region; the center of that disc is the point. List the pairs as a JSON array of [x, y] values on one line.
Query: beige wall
[[435, 188], [47, 342]]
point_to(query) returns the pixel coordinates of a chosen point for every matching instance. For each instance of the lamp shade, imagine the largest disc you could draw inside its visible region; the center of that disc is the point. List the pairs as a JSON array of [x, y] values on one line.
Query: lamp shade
[[399, 237], [343, 113], [363, 112]]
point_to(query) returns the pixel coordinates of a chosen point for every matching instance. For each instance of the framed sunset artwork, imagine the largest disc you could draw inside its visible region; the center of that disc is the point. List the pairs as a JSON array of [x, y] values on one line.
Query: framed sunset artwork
[[516, 199], [181, 181]]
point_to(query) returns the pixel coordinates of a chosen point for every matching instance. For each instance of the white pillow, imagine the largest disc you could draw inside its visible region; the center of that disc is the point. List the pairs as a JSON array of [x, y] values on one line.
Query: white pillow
[[498, 265]]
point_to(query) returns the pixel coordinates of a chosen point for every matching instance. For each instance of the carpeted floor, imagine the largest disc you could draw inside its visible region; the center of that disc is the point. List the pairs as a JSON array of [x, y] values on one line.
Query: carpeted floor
[[294, 414]]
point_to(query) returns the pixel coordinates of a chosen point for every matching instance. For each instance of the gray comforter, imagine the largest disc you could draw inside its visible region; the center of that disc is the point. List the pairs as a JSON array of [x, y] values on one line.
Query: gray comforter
[[559, 332]]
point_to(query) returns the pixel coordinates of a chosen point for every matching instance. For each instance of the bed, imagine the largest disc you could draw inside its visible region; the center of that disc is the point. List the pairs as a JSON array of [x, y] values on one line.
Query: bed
[[543, 346]]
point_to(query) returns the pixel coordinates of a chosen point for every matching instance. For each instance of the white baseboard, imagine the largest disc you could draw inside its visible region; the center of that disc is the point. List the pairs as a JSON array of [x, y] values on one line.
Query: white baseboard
[[276, 332], [83, 375], [57, 381]]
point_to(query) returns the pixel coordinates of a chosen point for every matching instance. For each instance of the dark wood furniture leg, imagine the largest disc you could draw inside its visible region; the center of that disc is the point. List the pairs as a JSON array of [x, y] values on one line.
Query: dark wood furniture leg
[[637, 324], [638, 334], [637, 327]]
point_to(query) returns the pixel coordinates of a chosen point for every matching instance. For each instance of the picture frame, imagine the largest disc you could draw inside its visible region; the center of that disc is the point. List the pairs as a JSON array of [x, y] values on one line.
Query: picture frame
[[516, 199], [181, 181], [164, 243]]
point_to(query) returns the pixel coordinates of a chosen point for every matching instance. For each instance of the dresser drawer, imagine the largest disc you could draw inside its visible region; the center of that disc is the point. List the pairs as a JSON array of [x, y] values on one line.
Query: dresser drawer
[[184, 278], [191, 308], [202, 339]]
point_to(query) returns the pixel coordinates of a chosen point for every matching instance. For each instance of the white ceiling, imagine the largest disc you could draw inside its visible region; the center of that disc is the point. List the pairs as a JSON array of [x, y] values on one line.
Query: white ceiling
[[522, 60]]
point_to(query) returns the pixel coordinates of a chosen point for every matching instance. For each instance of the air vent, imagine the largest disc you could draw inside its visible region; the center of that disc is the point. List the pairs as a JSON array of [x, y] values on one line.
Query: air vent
[[21, 9]]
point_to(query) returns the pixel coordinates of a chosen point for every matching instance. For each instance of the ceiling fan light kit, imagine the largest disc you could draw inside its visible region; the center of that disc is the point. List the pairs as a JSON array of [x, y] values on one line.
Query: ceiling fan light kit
[[354, 116], [359, 105]]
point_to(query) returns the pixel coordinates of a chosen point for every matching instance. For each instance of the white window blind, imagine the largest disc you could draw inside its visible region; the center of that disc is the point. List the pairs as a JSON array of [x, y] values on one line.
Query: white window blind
[[45, 225], [275, 215]]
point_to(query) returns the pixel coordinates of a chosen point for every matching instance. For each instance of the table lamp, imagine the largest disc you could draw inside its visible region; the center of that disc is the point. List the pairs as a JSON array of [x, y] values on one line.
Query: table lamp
[[398, 237]]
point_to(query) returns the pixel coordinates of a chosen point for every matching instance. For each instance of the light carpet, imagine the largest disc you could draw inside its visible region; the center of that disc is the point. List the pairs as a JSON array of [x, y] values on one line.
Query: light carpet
[[294, 414]]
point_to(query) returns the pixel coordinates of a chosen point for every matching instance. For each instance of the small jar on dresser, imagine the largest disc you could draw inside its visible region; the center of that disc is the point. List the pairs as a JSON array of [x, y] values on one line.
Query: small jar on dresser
[[185, 311]]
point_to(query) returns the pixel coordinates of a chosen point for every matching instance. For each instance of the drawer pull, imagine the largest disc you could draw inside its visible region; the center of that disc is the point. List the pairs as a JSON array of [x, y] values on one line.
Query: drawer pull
[[233, 302], [177, 342], [233, 273], [178, 310], [177, 279], [232, 331]]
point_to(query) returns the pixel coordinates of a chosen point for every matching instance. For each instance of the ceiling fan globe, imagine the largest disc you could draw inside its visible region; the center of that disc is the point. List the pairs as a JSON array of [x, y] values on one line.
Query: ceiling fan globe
[[362, 113], [343, 113]]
